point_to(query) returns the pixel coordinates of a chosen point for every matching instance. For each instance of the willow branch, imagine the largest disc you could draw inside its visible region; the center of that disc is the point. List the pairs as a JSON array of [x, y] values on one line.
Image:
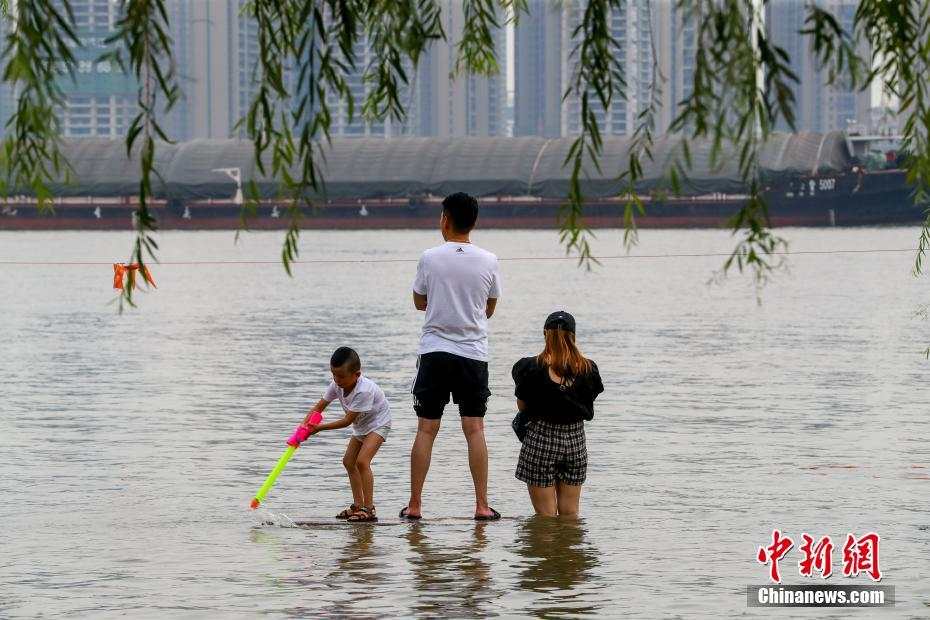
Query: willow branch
[[477, 53], [398, 34], [142, 34], [729, 106], [597, 75], [36, 56]]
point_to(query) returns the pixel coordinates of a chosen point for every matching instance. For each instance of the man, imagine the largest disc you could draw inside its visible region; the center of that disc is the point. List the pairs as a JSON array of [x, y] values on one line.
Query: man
[[457, 285]]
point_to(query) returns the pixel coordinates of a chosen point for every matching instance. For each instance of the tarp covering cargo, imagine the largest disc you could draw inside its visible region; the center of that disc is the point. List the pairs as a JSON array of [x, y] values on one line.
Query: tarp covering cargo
[[368, 168]]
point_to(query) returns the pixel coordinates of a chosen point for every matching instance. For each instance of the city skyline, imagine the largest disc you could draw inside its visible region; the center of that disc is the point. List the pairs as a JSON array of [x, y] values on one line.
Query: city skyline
[[216, 52]]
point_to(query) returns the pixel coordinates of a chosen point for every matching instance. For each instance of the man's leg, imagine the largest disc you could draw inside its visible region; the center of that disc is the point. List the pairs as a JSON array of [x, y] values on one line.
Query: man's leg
[[470, 391], [473, 427], [430, 396], [420, 456]]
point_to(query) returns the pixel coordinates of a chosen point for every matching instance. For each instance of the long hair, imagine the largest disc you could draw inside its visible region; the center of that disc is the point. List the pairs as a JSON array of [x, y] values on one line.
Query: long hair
[[562, 355]]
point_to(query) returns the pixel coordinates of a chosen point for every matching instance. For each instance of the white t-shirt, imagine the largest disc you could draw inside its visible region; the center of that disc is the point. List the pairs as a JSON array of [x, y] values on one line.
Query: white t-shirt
[[367, 400], [457, 279]]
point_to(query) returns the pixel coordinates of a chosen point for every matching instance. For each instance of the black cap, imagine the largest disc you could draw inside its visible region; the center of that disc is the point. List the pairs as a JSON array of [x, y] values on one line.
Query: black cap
[[560, 320]]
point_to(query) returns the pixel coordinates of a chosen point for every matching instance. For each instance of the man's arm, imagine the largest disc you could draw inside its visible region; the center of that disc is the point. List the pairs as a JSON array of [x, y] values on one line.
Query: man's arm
[[521, 406], [421, 284], [494, 292]]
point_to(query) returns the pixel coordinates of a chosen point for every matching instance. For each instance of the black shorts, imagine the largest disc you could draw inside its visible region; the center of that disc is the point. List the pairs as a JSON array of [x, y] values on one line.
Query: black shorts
[[440, 374]]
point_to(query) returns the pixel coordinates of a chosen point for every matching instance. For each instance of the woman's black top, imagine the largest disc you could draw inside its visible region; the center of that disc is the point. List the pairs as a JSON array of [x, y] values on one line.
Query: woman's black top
[[547, 400]]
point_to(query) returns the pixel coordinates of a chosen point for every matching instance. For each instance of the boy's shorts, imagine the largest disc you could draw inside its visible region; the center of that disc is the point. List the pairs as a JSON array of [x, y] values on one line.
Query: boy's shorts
[[441, 374], [384, 431]]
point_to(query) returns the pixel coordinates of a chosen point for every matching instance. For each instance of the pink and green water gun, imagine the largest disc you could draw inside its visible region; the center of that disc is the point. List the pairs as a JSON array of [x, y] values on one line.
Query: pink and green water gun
[[301, 433]]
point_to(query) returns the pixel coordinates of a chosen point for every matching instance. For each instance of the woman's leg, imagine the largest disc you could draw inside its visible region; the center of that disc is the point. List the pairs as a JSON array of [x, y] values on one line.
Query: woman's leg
[[348, 461], [568, 497], [572, 471], [369, 448], [544, 500]]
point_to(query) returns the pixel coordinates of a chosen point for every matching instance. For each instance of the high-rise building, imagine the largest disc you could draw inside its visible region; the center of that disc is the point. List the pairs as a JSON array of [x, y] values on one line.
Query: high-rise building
[[630, 26], [676, 47], [216, 54], [216, 48], [100, 100], [538, 84], [345, 124], [8, 98], [819, 105], [220, 54], [179, 123], [464, 105], [217, 51], [545, 66]]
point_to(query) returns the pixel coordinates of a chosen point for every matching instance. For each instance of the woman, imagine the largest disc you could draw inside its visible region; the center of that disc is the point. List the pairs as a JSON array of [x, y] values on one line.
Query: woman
[[556, 391]]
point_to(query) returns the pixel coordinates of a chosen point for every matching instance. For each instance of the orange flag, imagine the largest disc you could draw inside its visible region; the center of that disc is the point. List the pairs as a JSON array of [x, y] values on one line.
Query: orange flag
[[120, 272]]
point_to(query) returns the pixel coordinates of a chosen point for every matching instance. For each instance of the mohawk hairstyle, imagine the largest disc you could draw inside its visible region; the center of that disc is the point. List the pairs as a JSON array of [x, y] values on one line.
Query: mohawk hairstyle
[[344, 356]]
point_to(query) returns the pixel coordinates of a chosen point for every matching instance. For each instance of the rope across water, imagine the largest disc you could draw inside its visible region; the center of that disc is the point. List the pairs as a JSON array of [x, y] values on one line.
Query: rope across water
[[502, 259]]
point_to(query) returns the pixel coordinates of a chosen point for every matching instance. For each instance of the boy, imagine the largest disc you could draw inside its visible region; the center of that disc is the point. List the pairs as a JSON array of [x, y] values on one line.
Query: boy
[[367, 410]]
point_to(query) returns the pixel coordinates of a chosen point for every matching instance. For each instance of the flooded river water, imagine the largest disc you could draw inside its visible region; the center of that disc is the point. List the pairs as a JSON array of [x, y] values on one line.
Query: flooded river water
[[131, 444]]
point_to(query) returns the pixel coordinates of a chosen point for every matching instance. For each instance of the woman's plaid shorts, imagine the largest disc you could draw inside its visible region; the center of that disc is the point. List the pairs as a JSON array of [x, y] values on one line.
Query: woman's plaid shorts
[[553, 452]]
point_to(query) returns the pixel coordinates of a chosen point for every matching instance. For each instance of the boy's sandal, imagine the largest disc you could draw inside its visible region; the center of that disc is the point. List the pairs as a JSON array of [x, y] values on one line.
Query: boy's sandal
[[348, 512], [363, 515]]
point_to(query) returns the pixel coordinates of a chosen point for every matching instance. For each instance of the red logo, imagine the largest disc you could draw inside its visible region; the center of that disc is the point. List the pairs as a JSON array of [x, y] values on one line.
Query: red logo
[[819, 557], [774, 552], [860, 555]]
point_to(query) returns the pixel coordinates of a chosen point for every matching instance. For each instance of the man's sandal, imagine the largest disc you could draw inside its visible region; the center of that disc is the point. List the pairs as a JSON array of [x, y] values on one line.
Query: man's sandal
[[405, 514], [348, 512], [494, 516], [363, 515]]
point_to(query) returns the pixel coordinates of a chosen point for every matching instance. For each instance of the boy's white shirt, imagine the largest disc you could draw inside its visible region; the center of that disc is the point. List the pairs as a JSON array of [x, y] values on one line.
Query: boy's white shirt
[[457, 279], [367, 400]]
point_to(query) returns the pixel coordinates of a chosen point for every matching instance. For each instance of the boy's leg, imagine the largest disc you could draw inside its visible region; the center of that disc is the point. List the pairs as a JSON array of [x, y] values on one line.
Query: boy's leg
[[349, 461], [369, 448], [420, 457], [473, 428]]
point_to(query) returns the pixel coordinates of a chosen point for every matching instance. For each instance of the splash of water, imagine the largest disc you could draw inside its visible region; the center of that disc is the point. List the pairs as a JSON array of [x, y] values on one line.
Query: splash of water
[[277, 519]]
